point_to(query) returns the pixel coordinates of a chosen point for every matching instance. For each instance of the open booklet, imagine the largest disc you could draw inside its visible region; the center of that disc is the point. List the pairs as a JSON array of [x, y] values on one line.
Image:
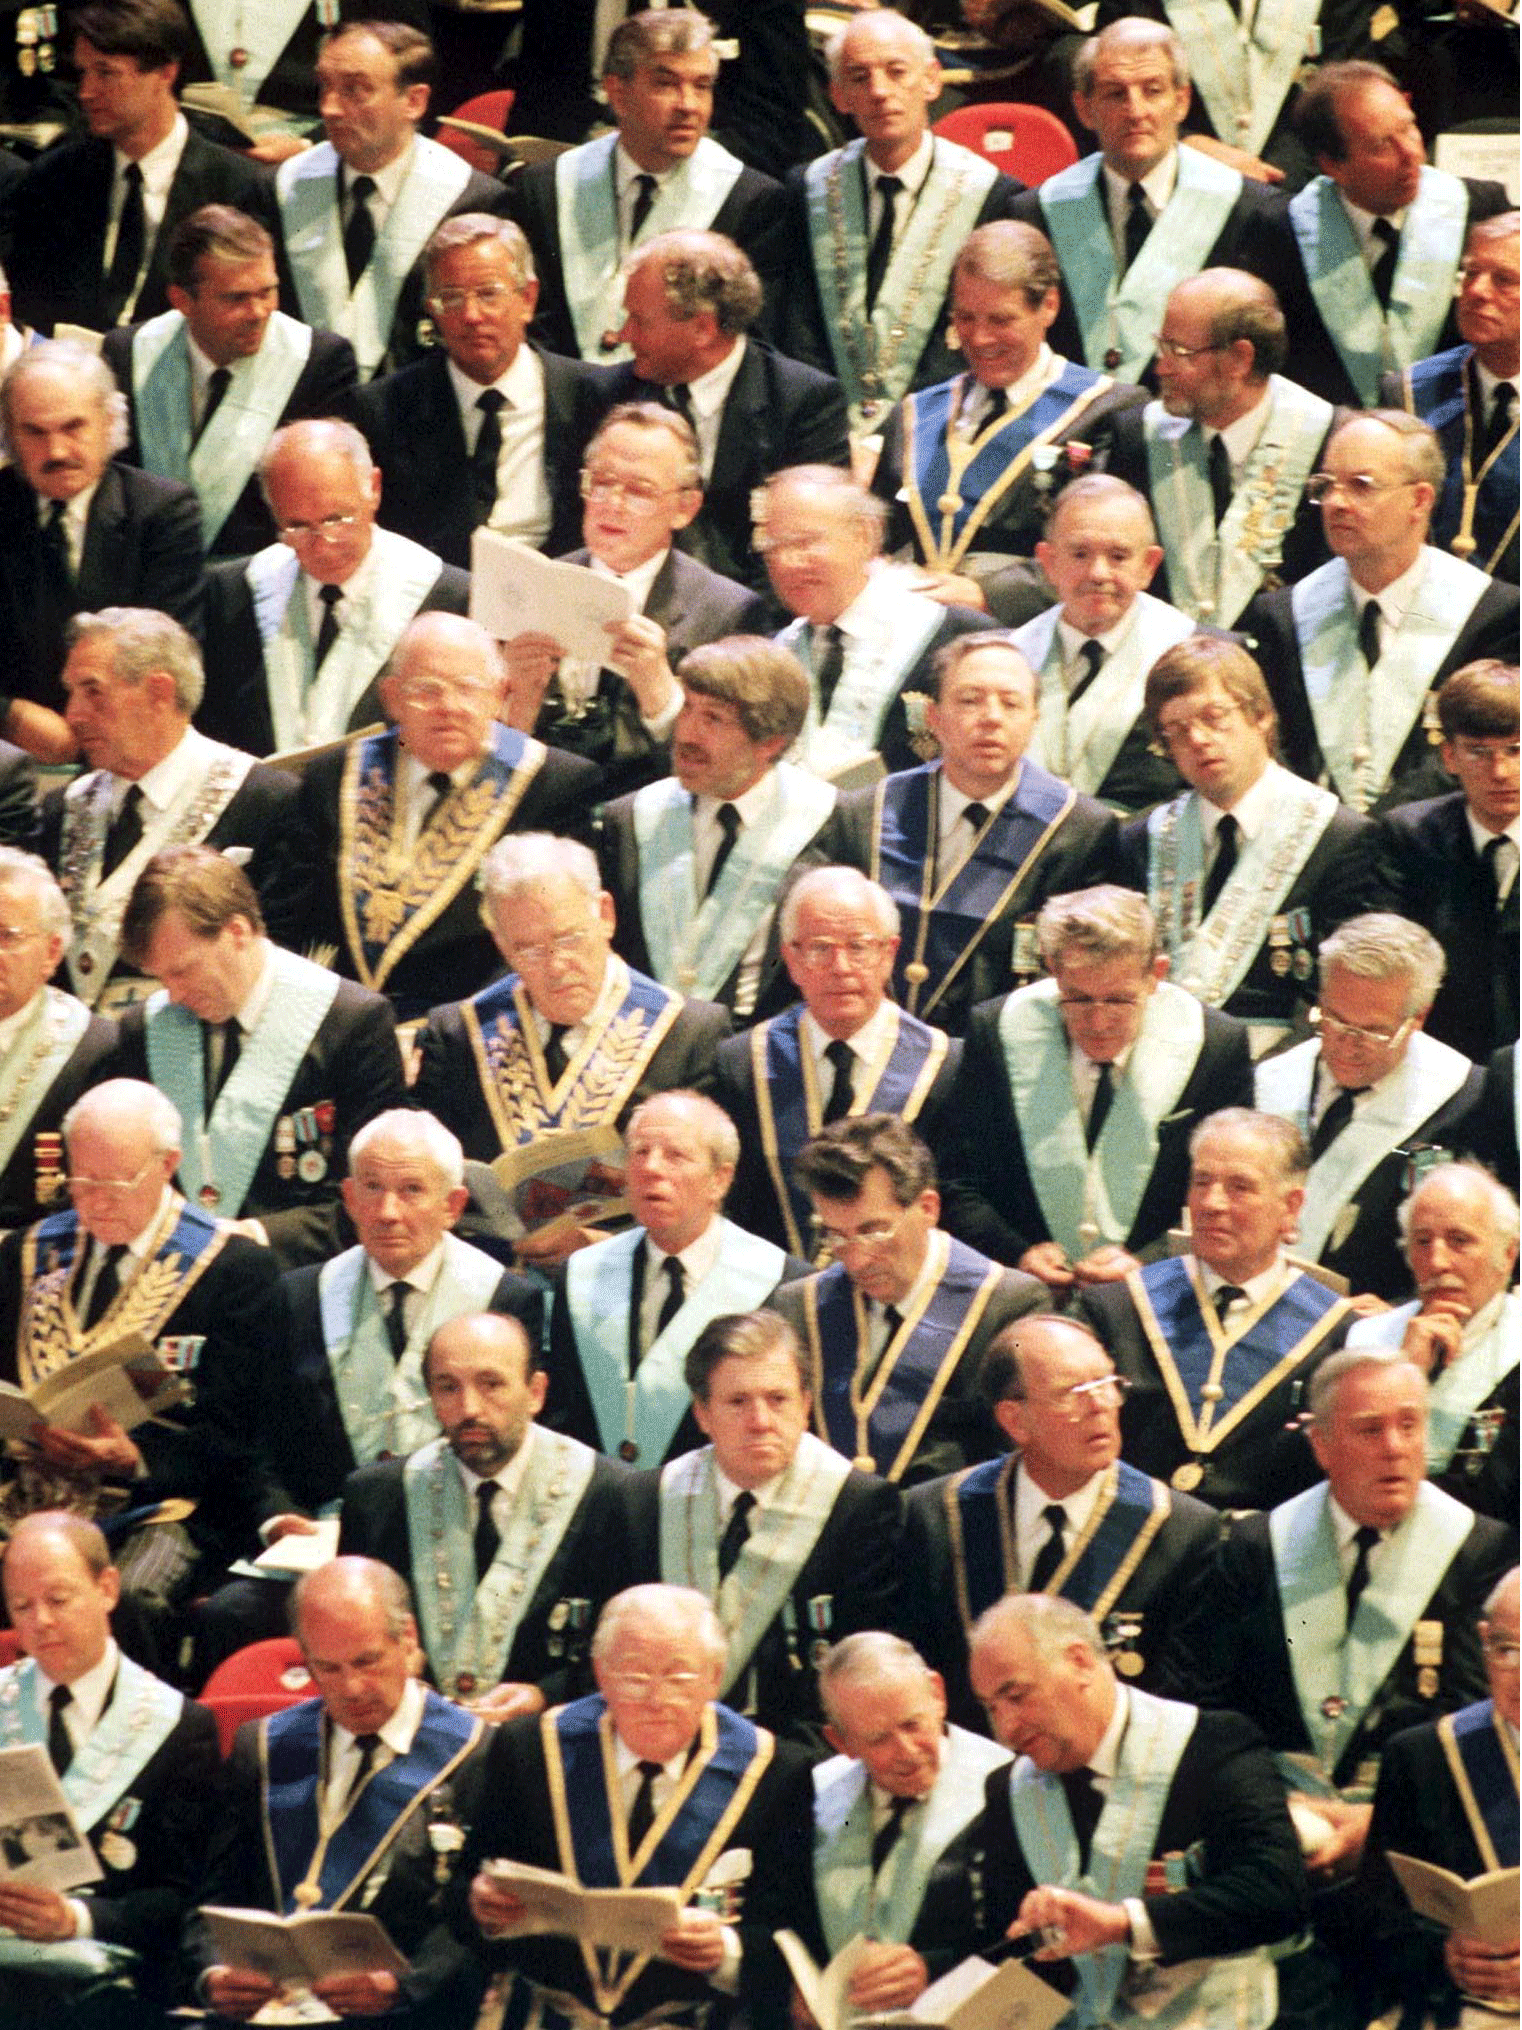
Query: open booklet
[[40, 1840], [128, 1379], [513, 590], [622, 1920], [1483, 1907], [974, 1995], [296, 1951]]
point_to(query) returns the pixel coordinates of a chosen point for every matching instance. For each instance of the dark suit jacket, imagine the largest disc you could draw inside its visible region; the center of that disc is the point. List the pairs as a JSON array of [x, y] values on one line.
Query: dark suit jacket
[[142, 548], [292, 81], [989, 1195], [412, 422], [779, 413], [591, 1564], [86, 1066], [1491, 1132], [853, 1569], [1160, 1591], [1427, 869], [1080, 853], [18, 798], [751, 215], [960, 1431], [1273, 252], [353, 1065], [1336, 882], [59, 216], [1265, 1459], [236, 707], [1442, 391], [324, 387], [1226, 1802], [1240, 1657], [1490, 630], [455, 956]]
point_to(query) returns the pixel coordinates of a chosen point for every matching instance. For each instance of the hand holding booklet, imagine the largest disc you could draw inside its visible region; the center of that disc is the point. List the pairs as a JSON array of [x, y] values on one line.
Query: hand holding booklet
[[40, 1840], [1484, 1907], [513, 590], [127, 1379], [974, 1995], [293, 1952], [623, 1920]]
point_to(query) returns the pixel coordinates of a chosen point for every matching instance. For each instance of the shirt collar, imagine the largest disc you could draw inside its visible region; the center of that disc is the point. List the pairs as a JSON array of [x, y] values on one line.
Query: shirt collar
[[729, 1491], [388, 180], [520, 383], [1482, 837], [258, 995], [1343, 1525], [1251, 810], [509, 1480], [421, 1276], [710, 391], [12, 1025], [352, 588], [139, 1243], [1030, 1500], [1106, 1757], [607, 993], [398, 1731], [923, 1283], [755, 804], [639, 580], [863, 1042], [1072, 640], [1256, 1288], [628, 1761], [1489, 382], [1157, 183], [1241, 437], [1362, 221], [161, 784], [1396, 597], [76, 512], [89, 1690], [162, 160], [954, 803], [910, 174], [698, 1257]]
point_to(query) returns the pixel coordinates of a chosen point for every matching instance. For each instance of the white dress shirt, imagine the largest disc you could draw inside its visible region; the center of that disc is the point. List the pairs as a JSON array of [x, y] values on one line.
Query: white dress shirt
[[1157, 186], [522, 508], [158, 167]]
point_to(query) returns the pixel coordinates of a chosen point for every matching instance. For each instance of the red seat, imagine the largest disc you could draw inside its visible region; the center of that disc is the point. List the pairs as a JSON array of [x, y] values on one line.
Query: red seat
[[10, 1646], [263, 1677], [1026, 142], [486, 109]]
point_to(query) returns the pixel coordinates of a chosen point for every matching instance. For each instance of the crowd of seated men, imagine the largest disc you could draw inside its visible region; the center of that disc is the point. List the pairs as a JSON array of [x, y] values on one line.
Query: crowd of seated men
[[828, 1204]]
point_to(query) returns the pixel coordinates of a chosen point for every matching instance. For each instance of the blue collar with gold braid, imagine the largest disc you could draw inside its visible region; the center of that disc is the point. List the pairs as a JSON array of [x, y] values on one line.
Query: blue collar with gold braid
[[1476, 1736]]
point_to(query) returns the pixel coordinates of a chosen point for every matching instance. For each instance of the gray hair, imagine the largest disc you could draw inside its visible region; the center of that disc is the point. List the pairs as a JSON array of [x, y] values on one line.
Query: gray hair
[[721, 1138], [66, 356], [1132, 31], [133, 1099], [1422, 454], [523, 859], [676, 31], [1276, 1137], [1503, 1205], [1051, 1623], [1009, 255], [469, 229], [1244, 306], [849, 885], [425, 1133], [34, 876], [654, 420], [1101, 487], [1493, 1597], [143, 640], [1325, 1384], [842, 490], [309, 438], [870, 1653], [359, 1578], [834, 48], [703, 271], [1382, 946], [680, 1608], [457, 627], [1105, 922]]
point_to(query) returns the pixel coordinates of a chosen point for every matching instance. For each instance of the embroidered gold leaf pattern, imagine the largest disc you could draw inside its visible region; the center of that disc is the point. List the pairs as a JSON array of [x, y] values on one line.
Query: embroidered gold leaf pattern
[[142, 1307], [597, 1093], [393, 883]]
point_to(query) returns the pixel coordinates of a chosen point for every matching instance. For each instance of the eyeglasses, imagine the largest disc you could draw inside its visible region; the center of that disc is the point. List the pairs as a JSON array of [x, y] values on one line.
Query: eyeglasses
[[443, 302], [109, 1187], [12, 938], [565, 946], [637, 493], [877, 1233], [1507, 1654], [643, 1685], [1214, 719], [1110, 1004], [429, 692], [1169, 348], [1493, 752], [329, 527], [1360, 1032], [1359, 486], [823, 951], [1074, 1402]]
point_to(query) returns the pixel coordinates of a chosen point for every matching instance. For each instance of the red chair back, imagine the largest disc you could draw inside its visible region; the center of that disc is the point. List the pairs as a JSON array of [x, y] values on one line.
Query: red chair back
[[1026, 142], [486, 109], [264, 1677], [10, 1646]]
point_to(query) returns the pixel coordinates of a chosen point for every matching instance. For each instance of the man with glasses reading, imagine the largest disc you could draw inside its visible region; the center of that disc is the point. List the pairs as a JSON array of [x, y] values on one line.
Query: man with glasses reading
[[297, 634], [1379, 1100], [1066, 1133], [1061, 1513], [896, 1328], [1353, 652]]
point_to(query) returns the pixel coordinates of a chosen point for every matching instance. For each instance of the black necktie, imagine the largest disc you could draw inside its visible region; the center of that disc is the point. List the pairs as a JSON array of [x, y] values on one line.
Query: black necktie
[[396, 1318], [678, 398], [327, 627], [1084, 1805], [359, 233], [554, 1052], [1092, 656], [830, 665], [488, 1536], [221, 1047], [1138, 222], [442, 785], [644, 198], [676, 1293], [886, 1837], [216, 388], [880, 252], [841, 1056], [1050, 1555], [131, 244], [995, 402], [1334, 1119], [1099, 1106], [1494, 856], [124, 831], [367, 1744], [736, 1531], [1500, 417], [486, 452], [1368, 632], [58, 565], [60, 1747], [1218, 462], [642, 1811], [729, 829], [1226, 1295], [107, 1286], [1382, 272], [976, 815], [1366, 1537], [1227, 838]]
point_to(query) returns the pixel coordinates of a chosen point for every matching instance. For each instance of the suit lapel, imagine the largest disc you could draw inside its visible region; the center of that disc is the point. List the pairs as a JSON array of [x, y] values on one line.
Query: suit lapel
[[744, 438], [102, 560]]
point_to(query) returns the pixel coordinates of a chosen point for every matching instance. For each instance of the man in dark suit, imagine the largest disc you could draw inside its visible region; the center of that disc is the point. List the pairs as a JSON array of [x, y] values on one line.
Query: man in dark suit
[[356, 210], [642, 485], [793, 1546], [1217, 1344], [843, 1048], [971, 846], [91, 223], [691, 304], [1348, 1613], [1469, 396], [895, 1330], [133, 678], [278, 78], [210, 380], [1134, 218], [1252, 867], [526, 1527], [1223, 454], [1450, 862], [695, 864], [1364, 260], [296, 636], [658, 170], [1061, 1514], [273, 1062], [381, 854], [875, 226], [1110, 1781], [1065, 1140], [631, 1308], [483, 430], [1352, 652], [77, 531], [75, 1693], [1378, 1099]]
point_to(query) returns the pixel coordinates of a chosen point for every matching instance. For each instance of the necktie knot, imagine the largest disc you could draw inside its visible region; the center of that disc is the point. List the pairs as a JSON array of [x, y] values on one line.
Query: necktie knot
[[736, 1532], [678, 398], [362, 189], [1050, 1554], [727, 818], [886, 1837], [1227, 1295], [491, 401], [1091, 655], [976, 815], [842, 1089]]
